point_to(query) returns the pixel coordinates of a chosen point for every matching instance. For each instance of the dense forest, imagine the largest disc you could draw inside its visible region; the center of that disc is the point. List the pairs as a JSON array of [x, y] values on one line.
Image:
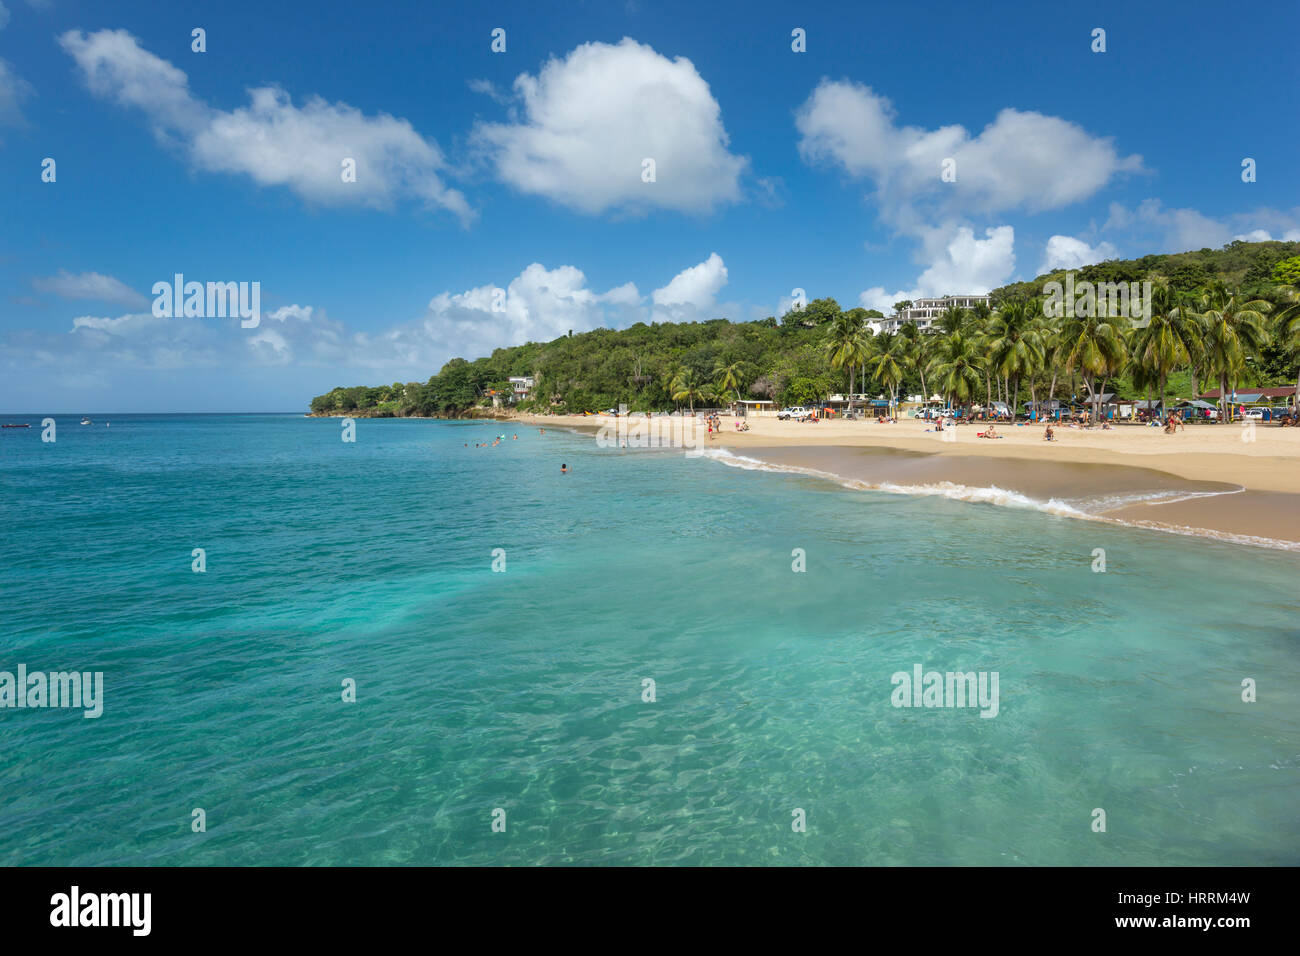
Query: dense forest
[[1220, 318]]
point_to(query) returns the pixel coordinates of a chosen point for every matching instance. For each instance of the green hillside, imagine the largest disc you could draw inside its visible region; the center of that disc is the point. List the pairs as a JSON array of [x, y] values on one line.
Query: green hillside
[[806, 355]]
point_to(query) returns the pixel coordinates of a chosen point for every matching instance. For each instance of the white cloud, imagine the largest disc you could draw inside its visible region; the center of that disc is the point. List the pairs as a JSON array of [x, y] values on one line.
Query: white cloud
[[108, 325], [539, 304], [300, 312], [271, 140], [4, 16], [694, 288], [590, 119], [13, 90], [625, 294], [1067, 252], [1184, 229], [1022, 160], [89, 285], [1180, 229], [960, 264], [1263, 235], [489, 89]]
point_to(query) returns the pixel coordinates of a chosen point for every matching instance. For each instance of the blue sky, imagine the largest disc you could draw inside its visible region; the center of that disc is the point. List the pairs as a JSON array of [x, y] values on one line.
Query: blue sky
[[521, 171]]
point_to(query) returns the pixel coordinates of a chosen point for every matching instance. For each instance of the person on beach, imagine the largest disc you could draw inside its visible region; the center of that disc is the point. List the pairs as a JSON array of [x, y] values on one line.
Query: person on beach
[[1048, 433]]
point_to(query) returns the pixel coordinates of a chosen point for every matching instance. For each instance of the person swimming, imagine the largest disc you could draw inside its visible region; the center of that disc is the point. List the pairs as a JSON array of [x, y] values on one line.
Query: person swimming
[[564, 469]]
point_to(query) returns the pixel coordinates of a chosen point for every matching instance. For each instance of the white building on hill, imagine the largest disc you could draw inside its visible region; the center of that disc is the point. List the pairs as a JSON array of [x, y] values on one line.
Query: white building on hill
[[925, 312]]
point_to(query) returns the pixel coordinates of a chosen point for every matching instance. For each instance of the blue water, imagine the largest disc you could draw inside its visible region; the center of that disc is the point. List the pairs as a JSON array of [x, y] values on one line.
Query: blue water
[[522, 690]]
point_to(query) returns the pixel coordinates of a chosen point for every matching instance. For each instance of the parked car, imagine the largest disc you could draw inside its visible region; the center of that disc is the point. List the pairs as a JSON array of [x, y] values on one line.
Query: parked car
[[1255, 413], [794, 411]]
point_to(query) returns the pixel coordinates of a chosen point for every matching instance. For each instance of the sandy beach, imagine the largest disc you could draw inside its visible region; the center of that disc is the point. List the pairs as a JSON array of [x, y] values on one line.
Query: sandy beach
[[1205, 479]]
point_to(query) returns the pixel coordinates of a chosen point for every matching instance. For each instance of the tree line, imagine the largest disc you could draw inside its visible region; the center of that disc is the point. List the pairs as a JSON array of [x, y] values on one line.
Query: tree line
[[1230, 317]]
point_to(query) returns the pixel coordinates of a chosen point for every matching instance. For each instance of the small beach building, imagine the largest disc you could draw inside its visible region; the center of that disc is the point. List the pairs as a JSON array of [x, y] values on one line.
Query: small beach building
[[1111, 407], [755, 408], [1195, 410], [1245, 397]]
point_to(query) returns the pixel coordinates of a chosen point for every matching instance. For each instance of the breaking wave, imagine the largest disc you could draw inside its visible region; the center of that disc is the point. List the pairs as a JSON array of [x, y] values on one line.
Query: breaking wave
[[1089, 509]]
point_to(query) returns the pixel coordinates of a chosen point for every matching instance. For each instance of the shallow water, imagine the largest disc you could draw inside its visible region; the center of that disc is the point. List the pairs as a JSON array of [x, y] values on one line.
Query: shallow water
[[522, 690]]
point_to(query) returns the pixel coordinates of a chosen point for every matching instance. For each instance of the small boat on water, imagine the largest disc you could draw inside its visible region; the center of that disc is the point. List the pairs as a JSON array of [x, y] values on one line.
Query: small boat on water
[[22, 425], [87, 421]]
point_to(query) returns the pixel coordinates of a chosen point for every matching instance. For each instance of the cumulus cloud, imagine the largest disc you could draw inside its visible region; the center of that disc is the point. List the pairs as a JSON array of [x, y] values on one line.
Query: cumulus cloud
[[270, 140], [1067, 252], [539, 304], [90, 285], [589, 120], [1263, 235], [107, 351], [13, 91], [960, 263], [1184, 229], [694, 289], [1021, 160]]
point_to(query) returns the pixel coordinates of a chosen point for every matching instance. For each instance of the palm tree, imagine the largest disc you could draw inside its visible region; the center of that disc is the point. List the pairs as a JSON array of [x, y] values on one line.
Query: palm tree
[[1049, 337], [687, 387], [957, 366], [888, 357], [1168, 341], [727, 379], [1094, 344], [1013, 346], [917, 344], [953, 319], [847, 344], [1288, 332], [1231, 331]]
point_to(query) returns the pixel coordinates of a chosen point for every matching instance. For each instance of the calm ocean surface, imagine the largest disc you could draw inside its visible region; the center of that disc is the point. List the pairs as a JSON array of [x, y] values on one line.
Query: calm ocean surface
[[522, 690]]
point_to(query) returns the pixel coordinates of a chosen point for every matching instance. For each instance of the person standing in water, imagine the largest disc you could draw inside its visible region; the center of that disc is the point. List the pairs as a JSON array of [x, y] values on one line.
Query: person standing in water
[[564, 469]]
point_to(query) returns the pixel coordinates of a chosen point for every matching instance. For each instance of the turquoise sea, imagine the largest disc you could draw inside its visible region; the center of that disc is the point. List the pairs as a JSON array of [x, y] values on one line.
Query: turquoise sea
[[522, 690]]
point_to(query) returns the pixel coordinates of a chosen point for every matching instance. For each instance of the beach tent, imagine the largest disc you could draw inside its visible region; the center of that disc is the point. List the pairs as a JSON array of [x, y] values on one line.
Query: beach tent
[[1195, 409]]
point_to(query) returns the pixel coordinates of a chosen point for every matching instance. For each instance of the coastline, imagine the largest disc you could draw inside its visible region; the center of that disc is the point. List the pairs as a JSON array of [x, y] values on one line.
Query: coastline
[[1204, 481]]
